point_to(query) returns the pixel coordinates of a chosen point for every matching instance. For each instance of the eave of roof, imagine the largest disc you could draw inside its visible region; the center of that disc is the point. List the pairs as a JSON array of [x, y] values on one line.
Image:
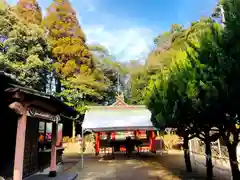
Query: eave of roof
[[117, 107], [13, 86], [107, 118], [129, 128]]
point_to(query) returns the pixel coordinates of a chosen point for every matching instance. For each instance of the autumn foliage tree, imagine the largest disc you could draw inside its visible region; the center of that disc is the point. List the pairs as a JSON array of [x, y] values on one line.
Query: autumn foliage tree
[[30, 11], [72, 59], [70, 53]]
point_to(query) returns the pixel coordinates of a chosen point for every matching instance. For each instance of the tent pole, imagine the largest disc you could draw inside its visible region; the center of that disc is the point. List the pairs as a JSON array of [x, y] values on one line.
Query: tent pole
[[82, 148]]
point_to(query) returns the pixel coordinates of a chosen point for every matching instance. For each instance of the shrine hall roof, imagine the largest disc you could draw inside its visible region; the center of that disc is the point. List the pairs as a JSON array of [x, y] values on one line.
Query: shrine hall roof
[[113, 118], [10, 86]]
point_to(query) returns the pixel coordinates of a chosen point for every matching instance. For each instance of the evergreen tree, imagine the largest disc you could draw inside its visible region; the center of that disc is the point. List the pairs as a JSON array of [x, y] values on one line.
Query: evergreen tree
[[24, 50], [73, 61], [70, 53], [30, 11]]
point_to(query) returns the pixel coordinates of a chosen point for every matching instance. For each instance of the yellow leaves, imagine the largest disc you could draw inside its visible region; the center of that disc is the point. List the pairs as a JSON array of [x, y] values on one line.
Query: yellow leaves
[[29, 11], [69, 67], [68, 46], [58, 66], [83, 69], [73, 60], [58, 50], [84, 53], [67, 39]]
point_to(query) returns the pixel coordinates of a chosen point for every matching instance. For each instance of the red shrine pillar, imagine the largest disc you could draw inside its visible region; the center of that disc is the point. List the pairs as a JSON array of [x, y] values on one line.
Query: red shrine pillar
[[113, 135], [150, 140], [113, 147], [97, 143], [153, 142]]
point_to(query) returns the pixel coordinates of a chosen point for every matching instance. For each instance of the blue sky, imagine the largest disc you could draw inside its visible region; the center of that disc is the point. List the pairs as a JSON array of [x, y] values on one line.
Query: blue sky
[[127, 27]]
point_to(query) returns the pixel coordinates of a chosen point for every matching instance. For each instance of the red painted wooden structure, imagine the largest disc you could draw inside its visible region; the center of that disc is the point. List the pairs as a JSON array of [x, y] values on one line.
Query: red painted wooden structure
[[151, 146], [30, 107]]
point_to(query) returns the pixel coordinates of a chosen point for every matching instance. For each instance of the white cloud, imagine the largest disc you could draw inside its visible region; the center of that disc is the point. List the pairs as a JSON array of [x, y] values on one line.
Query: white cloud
[[87, 5], [124, 39], [130, 43]]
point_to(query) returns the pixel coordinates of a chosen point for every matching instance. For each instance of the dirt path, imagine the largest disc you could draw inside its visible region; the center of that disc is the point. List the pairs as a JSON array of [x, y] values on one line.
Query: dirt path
[[148, 166], [121, 168], [167, 167], [174, 162]]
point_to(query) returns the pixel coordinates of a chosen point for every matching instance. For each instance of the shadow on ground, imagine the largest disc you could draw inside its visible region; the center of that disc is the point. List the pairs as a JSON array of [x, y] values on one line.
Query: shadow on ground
[[174, 163], [146, 166], [61, 176], [167, 166]]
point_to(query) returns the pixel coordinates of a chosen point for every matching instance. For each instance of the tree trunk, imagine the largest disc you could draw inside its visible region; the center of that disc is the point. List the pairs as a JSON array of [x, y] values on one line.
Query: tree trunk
[[209, 165], [233, 160], [187, 155], [73, 129], [58, 85]]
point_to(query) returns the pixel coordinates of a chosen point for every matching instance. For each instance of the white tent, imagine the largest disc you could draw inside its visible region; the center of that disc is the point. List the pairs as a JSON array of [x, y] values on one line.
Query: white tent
[[115, 118]]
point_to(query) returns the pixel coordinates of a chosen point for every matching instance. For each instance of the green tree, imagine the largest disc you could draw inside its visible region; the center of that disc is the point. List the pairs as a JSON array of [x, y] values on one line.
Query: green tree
[[166, 46], [99, 87], [168, 102], [184, 98], [108, 69], [72, 59], [24, 50], [213, 91], [219, 52], [138, 79]]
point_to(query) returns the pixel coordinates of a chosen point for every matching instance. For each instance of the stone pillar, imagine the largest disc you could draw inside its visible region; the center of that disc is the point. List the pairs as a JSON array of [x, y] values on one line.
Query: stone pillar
[[20, 140], [53, 163]]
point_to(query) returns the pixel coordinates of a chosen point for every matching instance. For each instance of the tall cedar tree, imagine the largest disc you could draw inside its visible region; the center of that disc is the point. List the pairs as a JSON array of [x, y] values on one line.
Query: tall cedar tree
[[70, 53], [30, 11]]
